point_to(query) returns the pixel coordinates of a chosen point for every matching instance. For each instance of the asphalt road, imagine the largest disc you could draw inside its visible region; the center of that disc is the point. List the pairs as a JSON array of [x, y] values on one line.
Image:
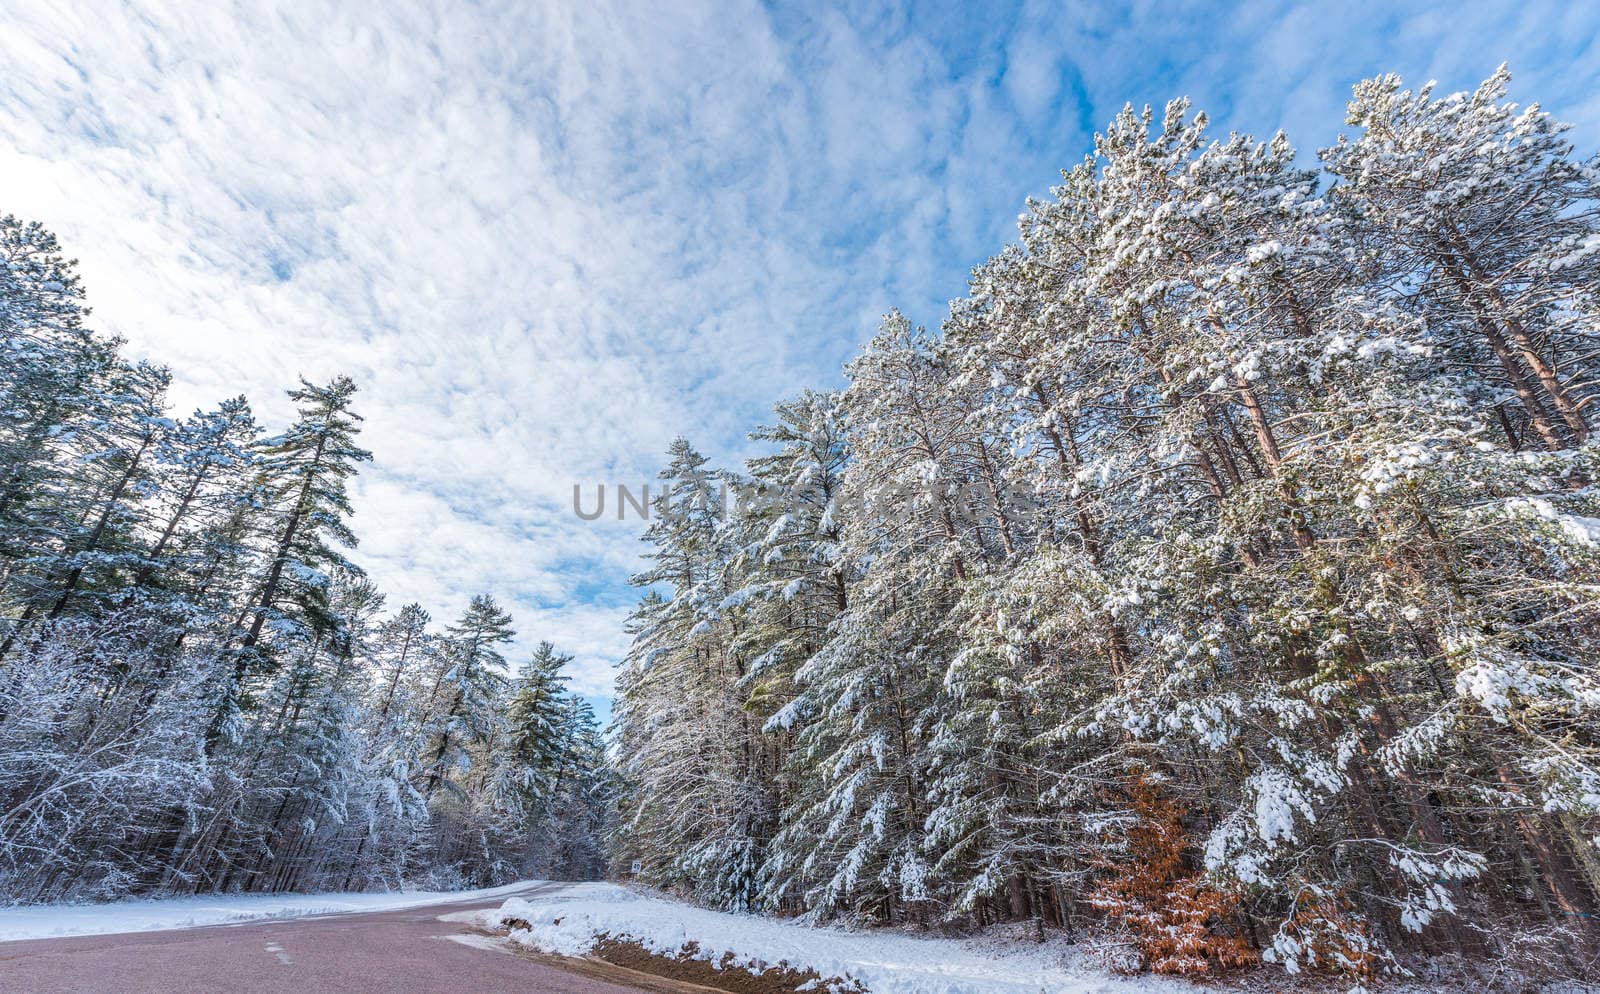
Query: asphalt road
[[382, 952]]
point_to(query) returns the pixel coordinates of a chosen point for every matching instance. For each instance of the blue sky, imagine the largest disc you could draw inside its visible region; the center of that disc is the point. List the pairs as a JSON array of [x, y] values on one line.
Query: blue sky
[[548, 238]]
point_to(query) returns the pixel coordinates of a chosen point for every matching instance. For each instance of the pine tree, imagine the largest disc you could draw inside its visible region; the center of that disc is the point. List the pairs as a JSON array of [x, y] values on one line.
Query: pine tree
[[694, 811], [51, 380], [535, 736], [467, 692], [121, 437], [306, 471], [203, 468], [1481, 201]]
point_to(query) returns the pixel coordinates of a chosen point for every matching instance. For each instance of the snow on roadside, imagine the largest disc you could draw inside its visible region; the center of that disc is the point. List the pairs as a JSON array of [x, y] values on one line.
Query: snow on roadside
[[569, 921], [52, 920]]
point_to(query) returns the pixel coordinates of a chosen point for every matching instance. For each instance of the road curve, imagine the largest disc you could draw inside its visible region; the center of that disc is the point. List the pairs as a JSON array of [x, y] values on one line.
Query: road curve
[[381, 952]]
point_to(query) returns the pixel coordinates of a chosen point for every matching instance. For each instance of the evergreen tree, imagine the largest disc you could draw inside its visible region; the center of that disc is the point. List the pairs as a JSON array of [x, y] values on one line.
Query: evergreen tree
[[536, 733], [1231, 555], [466, 693], [306, 472]]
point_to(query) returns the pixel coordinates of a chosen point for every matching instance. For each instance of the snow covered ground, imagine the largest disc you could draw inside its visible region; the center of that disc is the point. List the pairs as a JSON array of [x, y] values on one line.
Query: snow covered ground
[[47, 921], [570, 920]]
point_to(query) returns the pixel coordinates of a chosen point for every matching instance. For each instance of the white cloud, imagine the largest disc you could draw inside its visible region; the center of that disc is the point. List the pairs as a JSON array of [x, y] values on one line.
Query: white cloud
[[543, 241], [1033, 76], [546, 238]]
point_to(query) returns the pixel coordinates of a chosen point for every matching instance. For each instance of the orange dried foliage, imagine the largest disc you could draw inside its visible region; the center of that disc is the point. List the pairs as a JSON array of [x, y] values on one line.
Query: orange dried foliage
[[1180, 922], [1332, 937]]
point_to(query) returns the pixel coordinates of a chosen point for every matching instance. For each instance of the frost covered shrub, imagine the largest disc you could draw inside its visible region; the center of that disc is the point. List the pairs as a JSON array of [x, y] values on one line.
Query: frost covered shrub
[[1324, 933], [95, 751]]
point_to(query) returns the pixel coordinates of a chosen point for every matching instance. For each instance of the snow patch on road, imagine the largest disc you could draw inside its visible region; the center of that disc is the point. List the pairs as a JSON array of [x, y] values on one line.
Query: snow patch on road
[[570, 921], [52, 920], [488, 942]]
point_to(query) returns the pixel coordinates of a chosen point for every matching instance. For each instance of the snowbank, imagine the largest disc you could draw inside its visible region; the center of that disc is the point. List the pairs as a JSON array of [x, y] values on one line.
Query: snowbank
[[51, 920], [569, 921]]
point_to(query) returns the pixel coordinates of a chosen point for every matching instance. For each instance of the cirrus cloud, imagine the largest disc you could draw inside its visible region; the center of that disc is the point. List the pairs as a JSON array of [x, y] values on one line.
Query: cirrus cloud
[[548, 238]]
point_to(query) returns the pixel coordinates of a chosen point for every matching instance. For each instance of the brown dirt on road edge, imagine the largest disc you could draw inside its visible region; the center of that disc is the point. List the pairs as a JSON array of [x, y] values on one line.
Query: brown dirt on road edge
[[623, 961], [780, 979]]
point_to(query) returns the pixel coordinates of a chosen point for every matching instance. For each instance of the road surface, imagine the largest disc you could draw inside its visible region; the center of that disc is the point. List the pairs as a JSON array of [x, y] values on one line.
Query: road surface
[[381, 952]]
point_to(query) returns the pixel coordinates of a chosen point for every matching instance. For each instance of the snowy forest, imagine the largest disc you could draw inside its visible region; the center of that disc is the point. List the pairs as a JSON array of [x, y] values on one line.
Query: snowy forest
[[1224, 575], [1221, 582], [199, 691]]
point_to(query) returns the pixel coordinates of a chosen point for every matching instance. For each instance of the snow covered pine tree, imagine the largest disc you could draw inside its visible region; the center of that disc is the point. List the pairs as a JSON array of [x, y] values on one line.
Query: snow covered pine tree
[[1224, 576]]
